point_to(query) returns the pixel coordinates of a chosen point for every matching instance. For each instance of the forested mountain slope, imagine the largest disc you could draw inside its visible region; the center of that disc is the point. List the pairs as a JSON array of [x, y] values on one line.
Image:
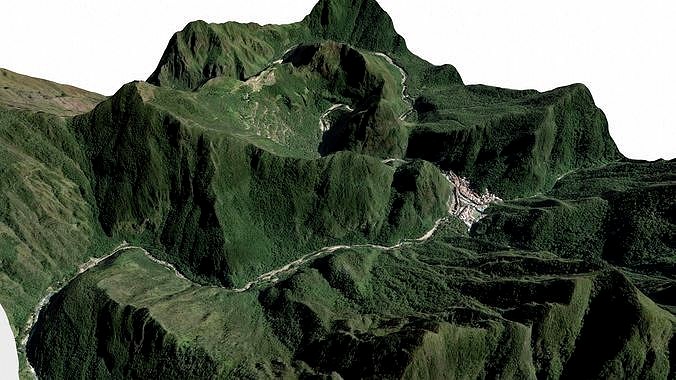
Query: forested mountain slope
[[313, 200]]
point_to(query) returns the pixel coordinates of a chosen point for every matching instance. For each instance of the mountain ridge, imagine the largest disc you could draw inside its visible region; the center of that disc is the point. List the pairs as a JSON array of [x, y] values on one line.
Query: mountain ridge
[[20, 91], [297, 159]]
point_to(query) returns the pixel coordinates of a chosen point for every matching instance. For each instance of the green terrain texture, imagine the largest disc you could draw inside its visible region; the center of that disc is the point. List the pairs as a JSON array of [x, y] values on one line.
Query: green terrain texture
[[273, 203]]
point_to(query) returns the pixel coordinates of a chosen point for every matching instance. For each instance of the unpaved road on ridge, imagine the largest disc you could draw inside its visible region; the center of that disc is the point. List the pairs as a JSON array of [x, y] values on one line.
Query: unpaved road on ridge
[[404, 95], [324, 125]]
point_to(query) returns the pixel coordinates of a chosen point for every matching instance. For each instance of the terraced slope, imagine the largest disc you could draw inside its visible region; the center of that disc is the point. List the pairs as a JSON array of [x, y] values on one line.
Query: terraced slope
[[290, 195]]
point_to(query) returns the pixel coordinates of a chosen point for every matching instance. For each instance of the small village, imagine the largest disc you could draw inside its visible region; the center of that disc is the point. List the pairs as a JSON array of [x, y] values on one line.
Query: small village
[[468, 205]]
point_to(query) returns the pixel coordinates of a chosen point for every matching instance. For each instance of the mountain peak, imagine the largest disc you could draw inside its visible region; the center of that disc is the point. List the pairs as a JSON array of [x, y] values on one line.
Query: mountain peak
[[203, 51], [363, 23]]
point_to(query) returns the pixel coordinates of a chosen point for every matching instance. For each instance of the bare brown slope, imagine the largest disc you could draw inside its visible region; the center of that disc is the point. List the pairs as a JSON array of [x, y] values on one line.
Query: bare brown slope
[[19, 91]]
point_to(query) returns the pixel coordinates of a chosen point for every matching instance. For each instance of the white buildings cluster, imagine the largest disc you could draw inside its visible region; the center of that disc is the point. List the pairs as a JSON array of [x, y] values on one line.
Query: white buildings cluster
[[469, 205]]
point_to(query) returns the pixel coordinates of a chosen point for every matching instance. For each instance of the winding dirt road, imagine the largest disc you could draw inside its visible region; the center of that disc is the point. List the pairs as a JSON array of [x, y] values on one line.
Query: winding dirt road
[[404, 93], [460, 199], [324, 124], [83, 268]]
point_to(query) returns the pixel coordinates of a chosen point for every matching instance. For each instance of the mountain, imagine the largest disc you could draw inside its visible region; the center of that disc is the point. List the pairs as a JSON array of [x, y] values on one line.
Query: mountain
[[26, 93], [312, 200]]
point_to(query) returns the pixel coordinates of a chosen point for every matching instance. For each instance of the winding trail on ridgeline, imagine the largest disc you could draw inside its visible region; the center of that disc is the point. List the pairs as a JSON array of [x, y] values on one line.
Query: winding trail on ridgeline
[[404, 96], [324, 124]]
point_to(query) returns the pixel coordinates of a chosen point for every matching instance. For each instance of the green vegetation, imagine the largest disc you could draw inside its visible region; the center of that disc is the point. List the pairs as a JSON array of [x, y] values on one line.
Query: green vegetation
[[252, 147], [279, 108], [515, 143], [113, 340], [424, 311], [48, 214], [216, 203], [621, 213], [233, 50]]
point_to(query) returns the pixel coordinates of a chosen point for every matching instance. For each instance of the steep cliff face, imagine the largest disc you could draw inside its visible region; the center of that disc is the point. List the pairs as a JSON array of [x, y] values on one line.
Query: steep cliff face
[[370, 123], [216, 203]]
